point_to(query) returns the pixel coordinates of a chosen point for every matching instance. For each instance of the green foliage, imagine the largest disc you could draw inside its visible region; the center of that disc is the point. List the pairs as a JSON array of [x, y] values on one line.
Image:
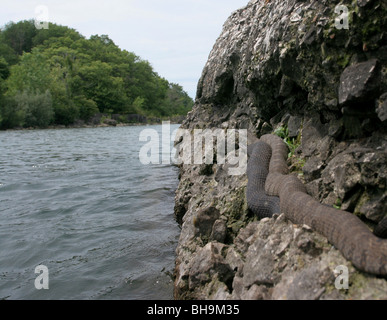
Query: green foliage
[[2, 101], [19, 36], [53, 33], [4, 69], [66, 113], [282, 132], [75, 78], [137, 105], [36, 108], [178, 100], [293, 144], [87, 108], [27, 109], [338, 204], [12, 114], [97, 82], [7, 53], [31, 73]]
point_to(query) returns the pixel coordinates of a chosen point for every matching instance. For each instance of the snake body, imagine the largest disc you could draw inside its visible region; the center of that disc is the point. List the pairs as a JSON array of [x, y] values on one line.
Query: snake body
[[381, 229], [262, 205], [345, 231]]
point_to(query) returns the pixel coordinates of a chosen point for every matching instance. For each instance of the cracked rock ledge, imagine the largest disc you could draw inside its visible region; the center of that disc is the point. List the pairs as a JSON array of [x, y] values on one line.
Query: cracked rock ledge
[[284, 66]]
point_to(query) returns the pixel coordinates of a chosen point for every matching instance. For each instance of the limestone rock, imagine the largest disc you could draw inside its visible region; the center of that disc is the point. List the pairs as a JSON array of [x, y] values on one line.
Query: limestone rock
[[357, 81], [284, 63], [205, 220], [208, 263], [294, 126], [219, 231], [381, 108], [357, 177]]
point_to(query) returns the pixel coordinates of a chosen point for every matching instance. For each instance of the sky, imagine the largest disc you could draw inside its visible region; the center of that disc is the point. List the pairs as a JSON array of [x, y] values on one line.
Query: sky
[[175, 36]]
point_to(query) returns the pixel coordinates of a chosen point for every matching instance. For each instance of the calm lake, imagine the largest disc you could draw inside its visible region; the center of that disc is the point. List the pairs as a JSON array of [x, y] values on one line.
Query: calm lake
[[79, 202]]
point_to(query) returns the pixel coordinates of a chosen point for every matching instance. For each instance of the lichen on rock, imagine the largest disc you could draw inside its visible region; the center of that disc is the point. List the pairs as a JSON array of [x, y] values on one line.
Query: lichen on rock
[[285, 64]]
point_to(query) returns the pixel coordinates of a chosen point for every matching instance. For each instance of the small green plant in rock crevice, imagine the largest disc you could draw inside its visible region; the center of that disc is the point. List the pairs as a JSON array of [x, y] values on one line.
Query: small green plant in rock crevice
[[338, 204], [297, 163], [292, 143]]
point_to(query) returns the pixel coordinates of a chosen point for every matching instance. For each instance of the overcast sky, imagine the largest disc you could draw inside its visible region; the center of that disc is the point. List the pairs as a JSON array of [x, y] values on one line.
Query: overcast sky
[[175, 36]]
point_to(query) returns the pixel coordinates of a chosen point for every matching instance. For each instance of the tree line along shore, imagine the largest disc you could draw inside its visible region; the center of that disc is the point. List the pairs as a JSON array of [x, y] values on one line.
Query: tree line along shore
[[56, 77]]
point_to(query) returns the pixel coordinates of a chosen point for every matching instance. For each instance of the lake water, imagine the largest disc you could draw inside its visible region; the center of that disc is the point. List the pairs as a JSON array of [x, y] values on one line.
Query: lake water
[[79, 202]]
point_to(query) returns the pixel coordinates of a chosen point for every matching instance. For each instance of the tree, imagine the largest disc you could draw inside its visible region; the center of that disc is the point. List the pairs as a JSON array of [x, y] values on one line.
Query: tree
[[4, 69], [19, 36], [63, 66], [53, 33], [66, 112], [178, 100], [26, 109], [98, 84], [7, 53], [12, 115], [31, 73], [58, 75], [87, 107], [2, 102], [137, 106]]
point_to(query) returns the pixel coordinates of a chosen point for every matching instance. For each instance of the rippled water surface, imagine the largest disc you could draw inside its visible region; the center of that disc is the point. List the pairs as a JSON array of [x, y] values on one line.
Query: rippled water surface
[[80, 202]]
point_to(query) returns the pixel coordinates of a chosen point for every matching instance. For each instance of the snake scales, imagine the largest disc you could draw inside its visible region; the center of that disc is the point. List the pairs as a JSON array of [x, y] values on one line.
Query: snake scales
[[268, 179]]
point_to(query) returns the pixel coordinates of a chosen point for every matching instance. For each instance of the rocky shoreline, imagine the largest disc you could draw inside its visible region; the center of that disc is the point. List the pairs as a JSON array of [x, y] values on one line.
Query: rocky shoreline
[[283, 66]]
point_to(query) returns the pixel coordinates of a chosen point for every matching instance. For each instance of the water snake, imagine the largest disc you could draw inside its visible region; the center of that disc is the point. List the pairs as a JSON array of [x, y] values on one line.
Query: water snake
[[267, 160], [260, 204]]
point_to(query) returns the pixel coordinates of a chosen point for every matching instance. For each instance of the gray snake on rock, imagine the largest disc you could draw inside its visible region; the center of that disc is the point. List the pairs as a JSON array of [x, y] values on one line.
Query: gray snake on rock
[[268, 179]]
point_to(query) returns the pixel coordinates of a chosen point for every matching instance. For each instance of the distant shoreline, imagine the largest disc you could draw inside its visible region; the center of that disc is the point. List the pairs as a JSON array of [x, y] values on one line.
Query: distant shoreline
[[87, 126]]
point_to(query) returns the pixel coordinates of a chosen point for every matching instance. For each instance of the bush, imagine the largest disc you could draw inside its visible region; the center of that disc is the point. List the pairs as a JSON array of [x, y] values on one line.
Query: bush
[[26, 109], [11, 113], [66, 113], [37, 108], [87, 108]]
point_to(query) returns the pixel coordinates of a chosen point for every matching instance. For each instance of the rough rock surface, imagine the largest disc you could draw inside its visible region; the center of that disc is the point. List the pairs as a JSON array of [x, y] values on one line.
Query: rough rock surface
[[285, 64]]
